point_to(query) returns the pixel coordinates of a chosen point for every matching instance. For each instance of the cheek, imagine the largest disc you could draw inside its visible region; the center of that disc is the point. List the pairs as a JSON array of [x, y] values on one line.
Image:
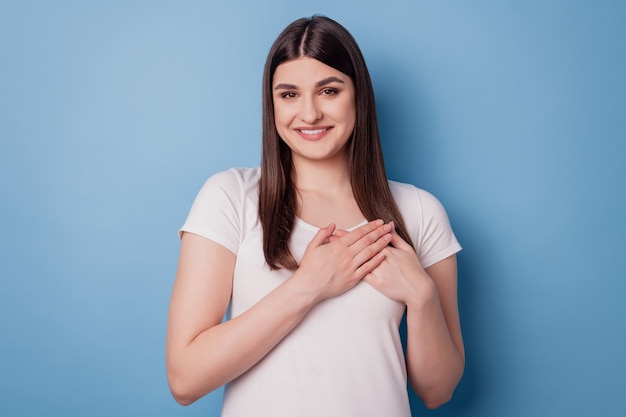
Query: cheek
[[282, 115], [347, 112], [350, 116]]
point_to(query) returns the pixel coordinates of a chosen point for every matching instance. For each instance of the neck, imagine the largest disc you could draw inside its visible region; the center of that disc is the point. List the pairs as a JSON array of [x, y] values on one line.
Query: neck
[[321, 176]]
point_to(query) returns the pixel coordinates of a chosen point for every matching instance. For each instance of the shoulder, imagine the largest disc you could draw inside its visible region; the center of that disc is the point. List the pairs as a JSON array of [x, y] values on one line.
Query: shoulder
[[234, 182], [223, 205], [426, 221], [235, 177], [229, 190], [412, 198]]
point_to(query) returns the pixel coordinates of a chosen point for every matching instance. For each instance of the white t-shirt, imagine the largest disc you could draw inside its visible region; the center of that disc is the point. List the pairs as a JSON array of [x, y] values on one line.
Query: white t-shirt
[[345, 358]]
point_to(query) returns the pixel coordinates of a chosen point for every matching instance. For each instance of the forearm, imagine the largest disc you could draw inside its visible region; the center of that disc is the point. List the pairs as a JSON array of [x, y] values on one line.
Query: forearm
[[434, 362], [203, 353], [223, 352]]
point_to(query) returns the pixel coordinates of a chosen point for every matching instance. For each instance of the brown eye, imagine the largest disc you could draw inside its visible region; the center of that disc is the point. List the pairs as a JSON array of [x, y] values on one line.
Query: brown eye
[[329, 91]]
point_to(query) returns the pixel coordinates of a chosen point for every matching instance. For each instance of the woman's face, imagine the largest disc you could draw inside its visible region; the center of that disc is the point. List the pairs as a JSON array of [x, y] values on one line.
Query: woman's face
[[314, 109]]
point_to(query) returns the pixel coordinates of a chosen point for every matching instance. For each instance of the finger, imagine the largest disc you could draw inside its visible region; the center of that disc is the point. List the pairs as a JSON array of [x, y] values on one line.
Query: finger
[[397, 242], [339, 233], [351, 237], [321, 236], [367, 267], [371, 278], [371, 250], [371, 238]]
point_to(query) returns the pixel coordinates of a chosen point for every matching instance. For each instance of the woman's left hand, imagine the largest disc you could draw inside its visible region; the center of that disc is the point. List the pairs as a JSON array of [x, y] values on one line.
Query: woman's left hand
[[401, 276]]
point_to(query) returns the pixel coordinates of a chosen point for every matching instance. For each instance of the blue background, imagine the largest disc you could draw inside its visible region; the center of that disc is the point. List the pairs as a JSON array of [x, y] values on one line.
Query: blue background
[[112, 115]]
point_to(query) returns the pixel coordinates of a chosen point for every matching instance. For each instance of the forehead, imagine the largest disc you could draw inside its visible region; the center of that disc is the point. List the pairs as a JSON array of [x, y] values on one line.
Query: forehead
[[306, 71]]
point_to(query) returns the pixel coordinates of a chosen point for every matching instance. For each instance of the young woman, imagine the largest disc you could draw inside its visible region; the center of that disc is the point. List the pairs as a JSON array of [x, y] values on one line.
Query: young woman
[[314, 258]]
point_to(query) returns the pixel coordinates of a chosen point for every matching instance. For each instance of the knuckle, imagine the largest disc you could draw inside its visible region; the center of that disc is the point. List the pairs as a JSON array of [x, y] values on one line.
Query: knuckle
[[369, 239], [369, 253], [345, 256], [368, 228]]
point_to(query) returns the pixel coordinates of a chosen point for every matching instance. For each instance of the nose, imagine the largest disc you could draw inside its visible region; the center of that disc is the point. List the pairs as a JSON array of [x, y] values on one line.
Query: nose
[[310, 111]]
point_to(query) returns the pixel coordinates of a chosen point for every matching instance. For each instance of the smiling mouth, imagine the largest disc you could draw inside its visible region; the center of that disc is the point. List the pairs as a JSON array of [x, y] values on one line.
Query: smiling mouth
[[312, 131]]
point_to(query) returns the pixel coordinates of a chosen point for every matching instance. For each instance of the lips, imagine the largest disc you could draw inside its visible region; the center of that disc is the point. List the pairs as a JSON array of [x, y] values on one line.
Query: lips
[[313, 134]]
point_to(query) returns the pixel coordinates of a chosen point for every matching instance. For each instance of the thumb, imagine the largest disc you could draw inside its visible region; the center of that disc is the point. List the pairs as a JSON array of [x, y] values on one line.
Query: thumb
[[397, 242], [322, 235], [338, 234]]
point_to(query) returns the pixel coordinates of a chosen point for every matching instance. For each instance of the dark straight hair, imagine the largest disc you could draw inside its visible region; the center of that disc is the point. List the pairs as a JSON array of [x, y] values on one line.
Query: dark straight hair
[[327, 41]]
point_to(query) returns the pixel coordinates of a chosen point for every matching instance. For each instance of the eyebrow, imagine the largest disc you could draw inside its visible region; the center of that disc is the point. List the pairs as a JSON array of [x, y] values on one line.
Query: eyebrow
[[320, 83]]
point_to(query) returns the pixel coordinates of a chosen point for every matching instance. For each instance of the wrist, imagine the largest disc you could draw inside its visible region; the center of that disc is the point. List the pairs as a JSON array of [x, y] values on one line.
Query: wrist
[[304, 289], [424, 294]]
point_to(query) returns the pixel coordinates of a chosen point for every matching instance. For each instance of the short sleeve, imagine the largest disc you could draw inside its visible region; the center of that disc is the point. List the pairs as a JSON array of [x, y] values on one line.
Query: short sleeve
[[216, 211], [436, 240]]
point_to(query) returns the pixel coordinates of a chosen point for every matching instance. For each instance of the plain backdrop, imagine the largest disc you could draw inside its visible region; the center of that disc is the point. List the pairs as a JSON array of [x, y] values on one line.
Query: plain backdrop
[[113, 114]]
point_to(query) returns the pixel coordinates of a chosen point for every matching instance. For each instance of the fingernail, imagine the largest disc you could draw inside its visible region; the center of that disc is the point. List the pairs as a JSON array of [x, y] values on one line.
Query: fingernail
[[379, 222]]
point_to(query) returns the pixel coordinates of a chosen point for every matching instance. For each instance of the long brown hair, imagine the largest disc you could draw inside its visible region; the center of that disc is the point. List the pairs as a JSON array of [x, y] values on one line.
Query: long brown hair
[[327, 41]]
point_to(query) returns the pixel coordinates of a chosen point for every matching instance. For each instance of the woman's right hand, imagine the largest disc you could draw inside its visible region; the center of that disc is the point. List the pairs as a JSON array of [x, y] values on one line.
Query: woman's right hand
[[204, 352], [333, 264]]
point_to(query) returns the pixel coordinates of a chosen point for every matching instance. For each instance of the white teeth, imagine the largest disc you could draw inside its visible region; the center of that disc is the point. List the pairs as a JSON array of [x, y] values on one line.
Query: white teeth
[[312, 132]]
